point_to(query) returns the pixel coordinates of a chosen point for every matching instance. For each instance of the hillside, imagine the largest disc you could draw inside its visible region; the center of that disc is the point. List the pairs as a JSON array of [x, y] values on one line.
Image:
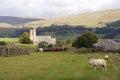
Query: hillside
[[5, 25], [16, 20], [9, 21], [94, 19]]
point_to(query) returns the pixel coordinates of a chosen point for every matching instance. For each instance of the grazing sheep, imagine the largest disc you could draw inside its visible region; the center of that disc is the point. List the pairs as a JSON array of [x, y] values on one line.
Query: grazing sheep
[[40, 49], [106, 57], [97, 62]]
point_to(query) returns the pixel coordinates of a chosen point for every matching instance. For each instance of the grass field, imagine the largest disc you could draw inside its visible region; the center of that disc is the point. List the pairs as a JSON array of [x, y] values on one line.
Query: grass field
[[13, 42], [57, 66], [9, 39], [21, 45]]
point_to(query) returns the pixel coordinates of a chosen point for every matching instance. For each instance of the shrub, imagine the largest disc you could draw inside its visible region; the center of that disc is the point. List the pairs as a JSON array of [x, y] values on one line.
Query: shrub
[[50, 46], [42, 45], [83, 50], [2, 43], [59, 44], [69, 43]]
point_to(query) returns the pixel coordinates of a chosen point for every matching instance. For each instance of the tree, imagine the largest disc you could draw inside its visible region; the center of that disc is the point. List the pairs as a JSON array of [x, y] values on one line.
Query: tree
[[25, 38], [87, 40]]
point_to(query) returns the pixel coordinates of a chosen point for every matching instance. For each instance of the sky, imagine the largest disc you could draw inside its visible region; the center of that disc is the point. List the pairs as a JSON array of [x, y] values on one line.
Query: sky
[[53, 8]]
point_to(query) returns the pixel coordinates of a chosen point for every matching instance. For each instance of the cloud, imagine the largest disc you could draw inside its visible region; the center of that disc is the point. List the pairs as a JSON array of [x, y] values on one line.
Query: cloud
[[53, 8]]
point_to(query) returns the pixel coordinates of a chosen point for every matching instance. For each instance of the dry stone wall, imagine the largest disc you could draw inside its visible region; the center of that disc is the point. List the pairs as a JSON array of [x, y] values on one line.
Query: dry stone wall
[[7, 51]]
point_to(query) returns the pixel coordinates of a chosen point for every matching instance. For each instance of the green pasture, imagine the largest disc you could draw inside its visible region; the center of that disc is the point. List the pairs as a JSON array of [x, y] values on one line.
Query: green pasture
[[57, 66], [9, 39], [13, 42], [28, 46]]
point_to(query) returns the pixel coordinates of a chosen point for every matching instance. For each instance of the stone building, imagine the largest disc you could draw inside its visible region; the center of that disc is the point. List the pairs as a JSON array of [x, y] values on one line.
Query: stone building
[[37, 39], [108, 44]]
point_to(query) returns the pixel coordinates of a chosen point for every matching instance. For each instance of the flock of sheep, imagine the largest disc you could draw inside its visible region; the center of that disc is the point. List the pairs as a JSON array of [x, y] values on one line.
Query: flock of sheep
[[94, 62], [98, 62]]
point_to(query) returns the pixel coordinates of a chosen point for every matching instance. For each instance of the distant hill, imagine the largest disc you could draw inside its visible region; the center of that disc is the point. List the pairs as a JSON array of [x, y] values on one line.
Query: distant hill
[[5, 25], [12, 21], [93, 19]]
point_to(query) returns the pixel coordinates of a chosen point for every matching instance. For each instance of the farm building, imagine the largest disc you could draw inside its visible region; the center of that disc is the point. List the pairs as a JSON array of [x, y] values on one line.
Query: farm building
[[108, 44], [37, 39]]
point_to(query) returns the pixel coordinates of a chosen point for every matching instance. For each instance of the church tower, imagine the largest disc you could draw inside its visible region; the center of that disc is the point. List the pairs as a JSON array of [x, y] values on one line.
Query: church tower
[[33, 35]]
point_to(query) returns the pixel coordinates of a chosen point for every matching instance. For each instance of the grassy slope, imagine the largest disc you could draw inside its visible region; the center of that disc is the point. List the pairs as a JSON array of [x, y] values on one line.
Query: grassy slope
[[89, 19], [9, 39], [13, 42], [15, 22], [5, 25], [56, 66]]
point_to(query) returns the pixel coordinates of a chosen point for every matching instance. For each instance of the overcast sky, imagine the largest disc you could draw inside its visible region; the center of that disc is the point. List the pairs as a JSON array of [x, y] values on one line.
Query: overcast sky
[[53, 8]]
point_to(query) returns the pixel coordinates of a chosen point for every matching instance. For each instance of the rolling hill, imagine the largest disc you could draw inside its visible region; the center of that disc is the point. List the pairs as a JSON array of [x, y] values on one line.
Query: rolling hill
[[93, 19], [5, 25], [10, 21]]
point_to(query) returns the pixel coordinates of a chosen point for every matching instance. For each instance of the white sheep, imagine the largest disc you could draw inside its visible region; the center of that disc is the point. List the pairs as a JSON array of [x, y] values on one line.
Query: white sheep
[[97, 62], [40, 49], [106, 57]]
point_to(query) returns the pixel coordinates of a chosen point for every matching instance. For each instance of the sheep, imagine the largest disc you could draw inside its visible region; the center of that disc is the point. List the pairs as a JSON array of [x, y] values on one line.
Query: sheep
[[97, 62], [106, 57], [40, 49]]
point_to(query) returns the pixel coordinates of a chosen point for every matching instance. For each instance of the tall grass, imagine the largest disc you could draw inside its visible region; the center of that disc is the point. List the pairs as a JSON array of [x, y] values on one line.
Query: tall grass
[[56, 66]]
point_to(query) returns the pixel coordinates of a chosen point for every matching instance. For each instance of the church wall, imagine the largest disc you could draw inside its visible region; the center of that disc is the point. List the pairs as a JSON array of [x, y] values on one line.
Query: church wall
[[37, 39]]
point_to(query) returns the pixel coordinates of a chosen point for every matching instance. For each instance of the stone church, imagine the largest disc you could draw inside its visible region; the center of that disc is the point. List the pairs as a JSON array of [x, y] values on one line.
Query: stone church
[[37, 39]]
